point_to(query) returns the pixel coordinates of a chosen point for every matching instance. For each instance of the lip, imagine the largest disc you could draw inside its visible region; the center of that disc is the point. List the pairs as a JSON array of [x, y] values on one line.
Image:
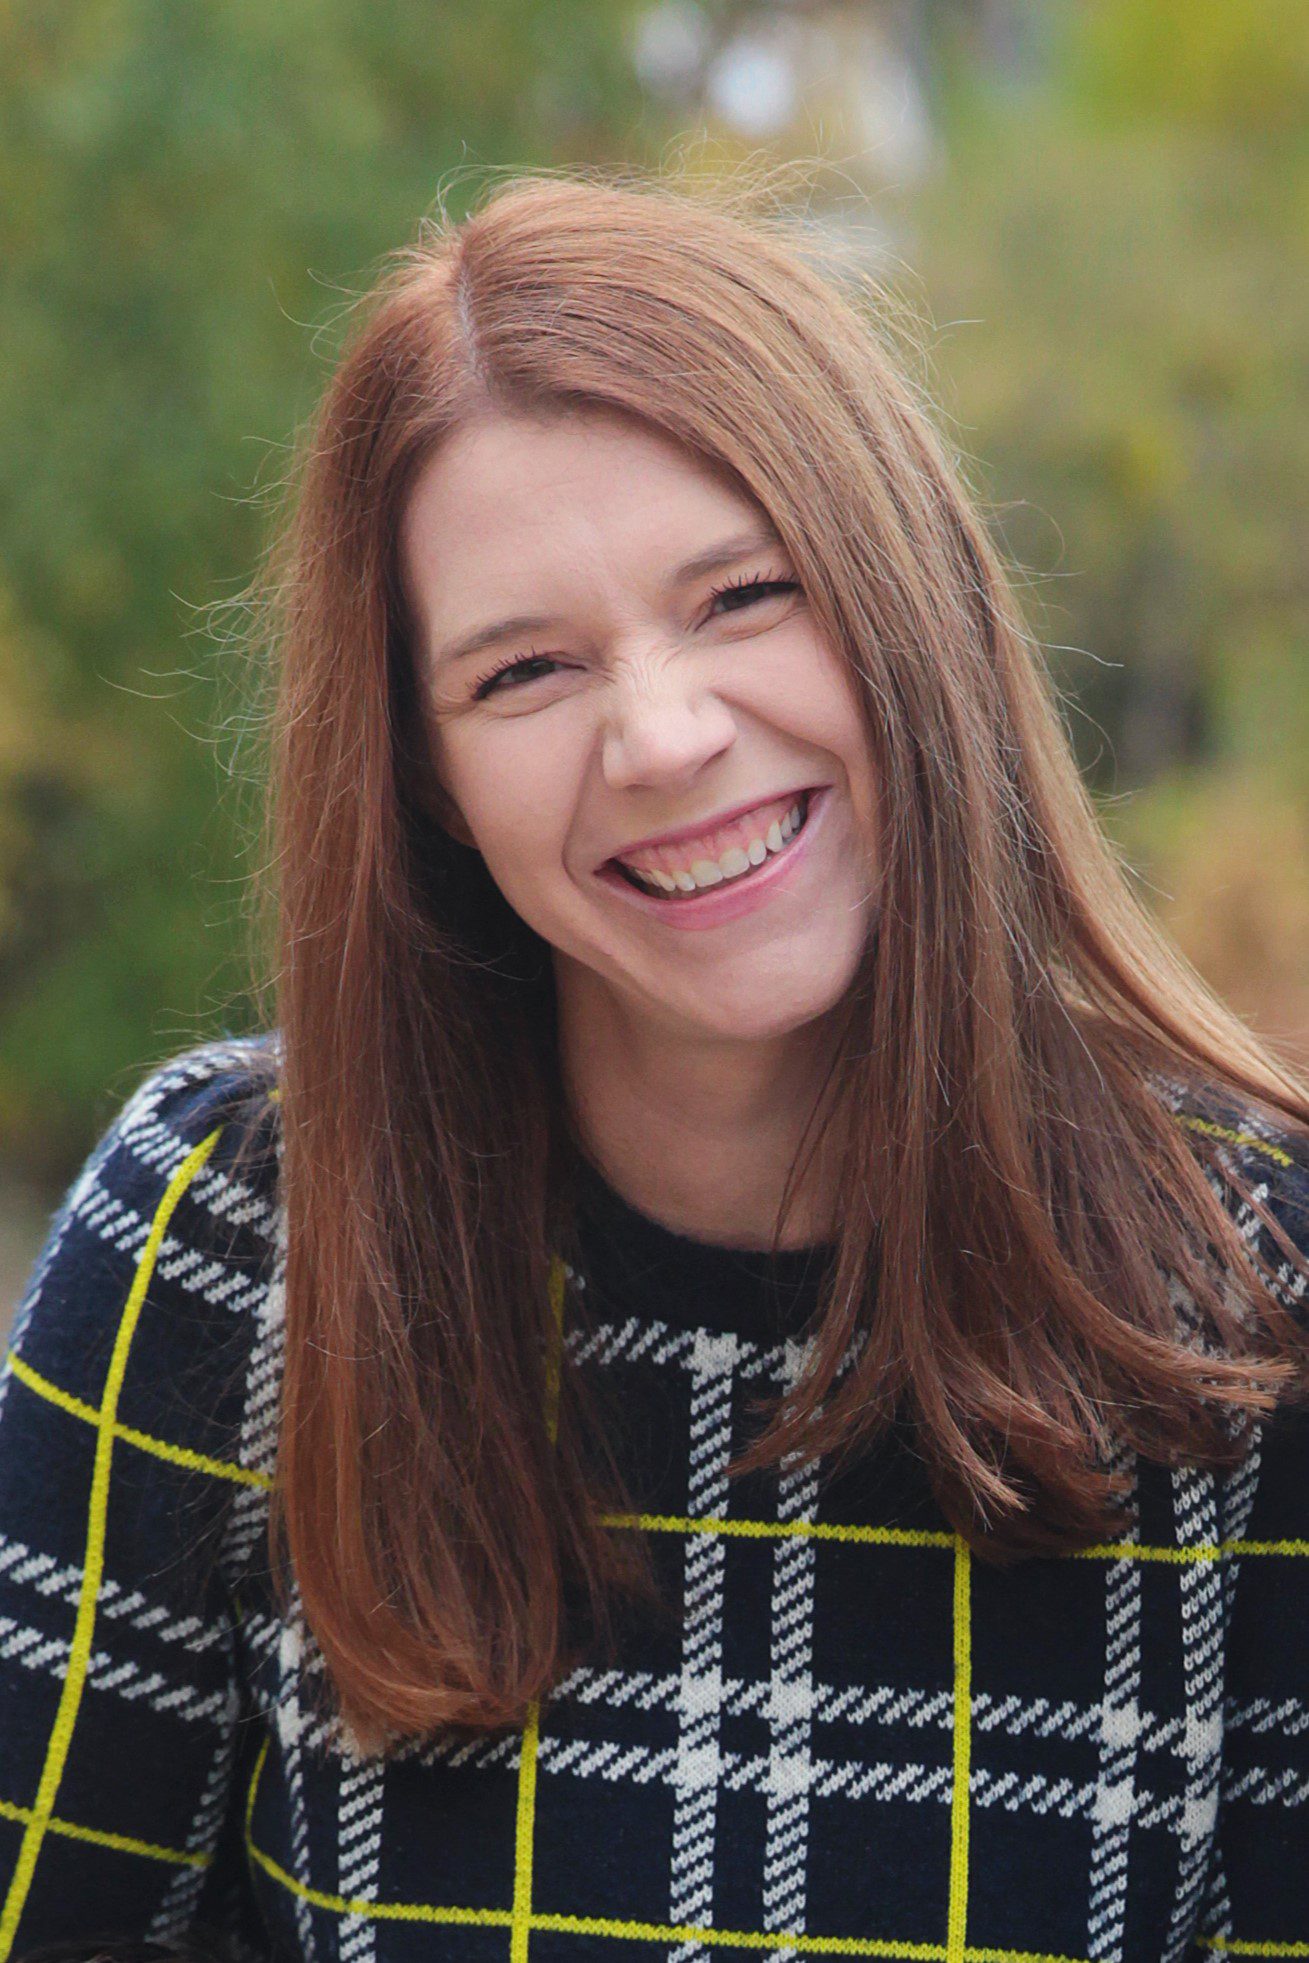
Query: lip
[[710, 824], [734, 897]]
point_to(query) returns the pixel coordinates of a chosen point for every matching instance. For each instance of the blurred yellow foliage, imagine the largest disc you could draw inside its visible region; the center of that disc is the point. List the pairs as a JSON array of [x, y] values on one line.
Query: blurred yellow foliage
[[1225, 858]]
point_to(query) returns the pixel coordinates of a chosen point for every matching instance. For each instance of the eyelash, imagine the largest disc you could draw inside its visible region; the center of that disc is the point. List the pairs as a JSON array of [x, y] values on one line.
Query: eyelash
[[489, 682]]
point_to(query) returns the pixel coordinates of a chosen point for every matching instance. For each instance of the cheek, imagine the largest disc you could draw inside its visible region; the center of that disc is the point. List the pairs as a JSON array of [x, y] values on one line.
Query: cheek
[[810, 694], [836, 705], [798, 683], [518, 809]]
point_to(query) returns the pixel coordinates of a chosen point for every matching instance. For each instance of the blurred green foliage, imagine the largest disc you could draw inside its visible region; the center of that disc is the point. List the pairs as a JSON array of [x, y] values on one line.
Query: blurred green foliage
[[1126, 248], [183, 192], [1123, 246], [1114, 253]]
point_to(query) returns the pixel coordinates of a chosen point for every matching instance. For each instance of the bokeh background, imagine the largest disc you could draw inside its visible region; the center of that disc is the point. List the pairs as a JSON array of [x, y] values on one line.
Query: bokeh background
[[1094, 214]]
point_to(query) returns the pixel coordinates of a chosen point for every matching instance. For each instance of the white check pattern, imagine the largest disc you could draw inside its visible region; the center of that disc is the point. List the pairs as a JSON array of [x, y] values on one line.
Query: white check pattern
[[782, 1771], [698, 1763], [791, 1693]]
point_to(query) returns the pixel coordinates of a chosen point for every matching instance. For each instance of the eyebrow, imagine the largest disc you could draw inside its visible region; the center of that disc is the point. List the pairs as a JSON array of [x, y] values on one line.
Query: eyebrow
[[725, 553]]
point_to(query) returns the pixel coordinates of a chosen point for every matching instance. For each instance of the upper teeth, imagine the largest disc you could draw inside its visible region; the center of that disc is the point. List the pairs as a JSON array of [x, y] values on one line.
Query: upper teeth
[[735, 861]]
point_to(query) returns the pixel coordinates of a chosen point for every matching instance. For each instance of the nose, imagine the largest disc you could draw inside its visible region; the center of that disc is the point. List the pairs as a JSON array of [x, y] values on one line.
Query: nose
[[660, 731]]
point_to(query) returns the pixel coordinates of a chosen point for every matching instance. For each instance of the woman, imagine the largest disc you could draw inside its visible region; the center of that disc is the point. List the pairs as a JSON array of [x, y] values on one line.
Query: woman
[[706, 1381]]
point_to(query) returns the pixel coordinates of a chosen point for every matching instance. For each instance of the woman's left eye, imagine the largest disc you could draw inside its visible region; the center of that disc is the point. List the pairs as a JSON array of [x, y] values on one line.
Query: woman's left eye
[[752, 589]]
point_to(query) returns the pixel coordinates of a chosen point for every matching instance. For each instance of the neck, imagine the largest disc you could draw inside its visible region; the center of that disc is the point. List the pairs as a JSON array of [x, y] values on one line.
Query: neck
[[699, 1134]]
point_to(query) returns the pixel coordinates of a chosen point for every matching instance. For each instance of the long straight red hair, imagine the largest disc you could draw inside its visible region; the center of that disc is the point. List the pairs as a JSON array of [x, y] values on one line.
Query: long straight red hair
[[1015, 1183]]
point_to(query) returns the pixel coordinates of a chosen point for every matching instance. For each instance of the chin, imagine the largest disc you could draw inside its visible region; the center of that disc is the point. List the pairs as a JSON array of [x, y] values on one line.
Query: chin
[[784, 995], [751, 1018]]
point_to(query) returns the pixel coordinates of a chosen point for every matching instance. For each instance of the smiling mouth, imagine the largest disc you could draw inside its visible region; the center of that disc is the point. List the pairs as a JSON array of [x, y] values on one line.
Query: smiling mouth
[[735, 867]]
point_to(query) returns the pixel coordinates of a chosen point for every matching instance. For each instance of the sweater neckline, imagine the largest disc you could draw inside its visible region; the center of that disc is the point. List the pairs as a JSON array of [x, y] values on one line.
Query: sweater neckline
[[635, 1265]]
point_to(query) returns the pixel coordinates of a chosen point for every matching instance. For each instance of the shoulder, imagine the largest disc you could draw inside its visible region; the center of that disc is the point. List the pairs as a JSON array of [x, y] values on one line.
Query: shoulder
[[1256, 1161], [159, 1259]]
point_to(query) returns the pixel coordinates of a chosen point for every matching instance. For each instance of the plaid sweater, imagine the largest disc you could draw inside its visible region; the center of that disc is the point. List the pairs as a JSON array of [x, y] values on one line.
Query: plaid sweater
[[849, 1738]]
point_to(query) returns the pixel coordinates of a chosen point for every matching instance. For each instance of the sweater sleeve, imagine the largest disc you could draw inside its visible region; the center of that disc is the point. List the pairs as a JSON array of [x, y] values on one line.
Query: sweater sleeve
[[122, 1403], [1258, 1881]]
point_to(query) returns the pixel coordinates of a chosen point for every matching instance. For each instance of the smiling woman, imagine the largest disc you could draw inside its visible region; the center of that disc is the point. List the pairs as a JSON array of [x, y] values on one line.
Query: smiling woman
[[722, 1348], [652, 741]]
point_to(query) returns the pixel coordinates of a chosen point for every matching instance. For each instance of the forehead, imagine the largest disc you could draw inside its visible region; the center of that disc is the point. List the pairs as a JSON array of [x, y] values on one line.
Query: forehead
[[510, 501]]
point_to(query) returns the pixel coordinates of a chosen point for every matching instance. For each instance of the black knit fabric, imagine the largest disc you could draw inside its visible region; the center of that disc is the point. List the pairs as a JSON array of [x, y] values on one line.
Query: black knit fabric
[[844, 1736], [631, 1258]]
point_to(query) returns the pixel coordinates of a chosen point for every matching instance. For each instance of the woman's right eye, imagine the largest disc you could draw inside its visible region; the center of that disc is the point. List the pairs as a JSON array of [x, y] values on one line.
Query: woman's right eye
[[511, 665]]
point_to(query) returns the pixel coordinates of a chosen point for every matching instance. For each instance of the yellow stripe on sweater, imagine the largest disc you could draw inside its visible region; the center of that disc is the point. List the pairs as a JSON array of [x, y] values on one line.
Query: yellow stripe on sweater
[[525, 1812], [1273, 1152], [118, 1843], [1236, 1946], [160, 1448], [957, 1911], [1111, 1550], [70, 1699], [619, 1929]]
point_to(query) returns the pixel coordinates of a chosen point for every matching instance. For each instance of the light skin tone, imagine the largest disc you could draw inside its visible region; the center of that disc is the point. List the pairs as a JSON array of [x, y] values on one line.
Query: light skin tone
[[642, 703]]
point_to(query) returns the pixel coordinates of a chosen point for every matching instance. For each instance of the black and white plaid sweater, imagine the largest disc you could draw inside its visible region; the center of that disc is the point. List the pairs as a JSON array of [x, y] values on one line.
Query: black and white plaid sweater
[[851, 1738]]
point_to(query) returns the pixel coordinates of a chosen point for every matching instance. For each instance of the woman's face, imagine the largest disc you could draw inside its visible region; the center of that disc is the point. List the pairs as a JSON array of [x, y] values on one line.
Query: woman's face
[[624, 688]]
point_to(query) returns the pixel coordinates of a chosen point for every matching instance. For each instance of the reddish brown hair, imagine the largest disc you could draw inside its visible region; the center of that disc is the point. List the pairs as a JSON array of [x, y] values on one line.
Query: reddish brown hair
[[1014, 1185]]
